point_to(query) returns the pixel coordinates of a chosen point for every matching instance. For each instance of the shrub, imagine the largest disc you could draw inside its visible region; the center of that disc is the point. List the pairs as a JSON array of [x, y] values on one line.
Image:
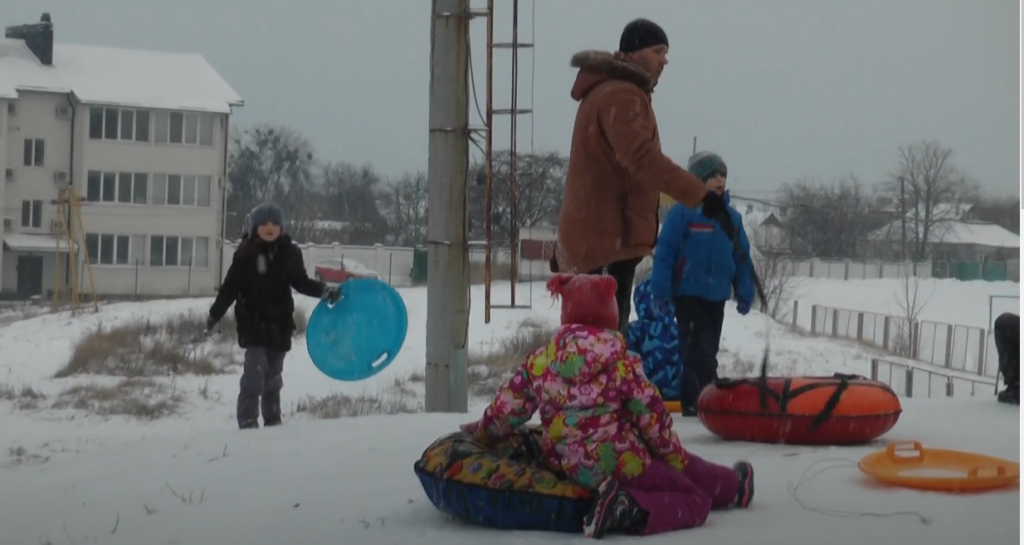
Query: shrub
[[140, 398], [488, 369]]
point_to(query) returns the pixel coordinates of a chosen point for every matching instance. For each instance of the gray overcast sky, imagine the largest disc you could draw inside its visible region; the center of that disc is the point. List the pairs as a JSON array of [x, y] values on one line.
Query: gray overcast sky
[[783, 89]]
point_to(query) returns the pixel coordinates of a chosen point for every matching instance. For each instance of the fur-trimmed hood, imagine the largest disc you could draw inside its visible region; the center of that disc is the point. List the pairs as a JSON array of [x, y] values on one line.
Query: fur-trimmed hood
[[599, 66]]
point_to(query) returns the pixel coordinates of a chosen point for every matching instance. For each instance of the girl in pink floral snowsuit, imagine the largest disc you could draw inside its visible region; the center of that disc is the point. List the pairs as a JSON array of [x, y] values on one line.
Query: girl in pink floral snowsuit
[[605, 425]]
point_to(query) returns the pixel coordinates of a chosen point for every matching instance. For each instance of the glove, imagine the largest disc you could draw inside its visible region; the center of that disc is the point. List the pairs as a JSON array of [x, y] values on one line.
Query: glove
[[331, 294], [714, 208], [743, 308], [663, 306]]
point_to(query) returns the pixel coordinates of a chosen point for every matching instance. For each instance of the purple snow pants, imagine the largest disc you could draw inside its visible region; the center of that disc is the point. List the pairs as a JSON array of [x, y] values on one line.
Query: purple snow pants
[[677, 500]]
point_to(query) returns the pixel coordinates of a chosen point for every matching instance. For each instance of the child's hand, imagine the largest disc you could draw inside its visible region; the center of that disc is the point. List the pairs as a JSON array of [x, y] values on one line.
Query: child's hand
[[210, 324], [332, 294], [743, 308]]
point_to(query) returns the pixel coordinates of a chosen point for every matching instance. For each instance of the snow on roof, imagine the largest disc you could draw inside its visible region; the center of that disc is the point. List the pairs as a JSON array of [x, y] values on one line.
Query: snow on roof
[[956, 232], [123, 77]]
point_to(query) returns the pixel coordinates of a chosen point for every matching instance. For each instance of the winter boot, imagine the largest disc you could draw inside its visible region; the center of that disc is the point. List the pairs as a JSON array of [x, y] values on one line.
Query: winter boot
[[613, 510], [1010, 395], [248, 424], [745, 492], [270, 407]]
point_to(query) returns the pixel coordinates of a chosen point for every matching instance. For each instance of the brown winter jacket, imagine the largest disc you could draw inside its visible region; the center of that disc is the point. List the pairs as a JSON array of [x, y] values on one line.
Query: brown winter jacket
[[617, 170]]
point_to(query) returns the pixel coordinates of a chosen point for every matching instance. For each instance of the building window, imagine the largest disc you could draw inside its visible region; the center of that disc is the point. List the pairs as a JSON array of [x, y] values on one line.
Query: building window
[[118, 124], [179, 190], [34, 150], [124, 250], [119, 187], [166, 251], [32, 214], [183, 128]]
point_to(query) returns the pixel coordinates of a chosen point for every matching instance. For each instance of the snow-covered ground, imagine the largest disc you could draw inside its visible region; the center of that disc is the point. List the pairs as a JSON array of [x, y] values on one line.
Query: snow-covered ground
[[350, 480]]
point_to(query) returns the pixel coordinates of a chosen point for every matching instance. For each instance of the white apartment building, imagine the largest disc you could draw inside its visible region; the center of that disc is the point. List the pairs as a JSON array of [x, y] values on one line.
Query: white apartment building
[[141, 136]]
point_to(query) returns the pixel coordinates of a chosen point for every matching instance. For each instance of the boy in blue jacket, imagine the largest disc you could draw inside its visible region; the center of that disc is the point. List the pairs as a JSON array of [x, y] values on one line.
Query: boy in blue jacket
[[697, 266]]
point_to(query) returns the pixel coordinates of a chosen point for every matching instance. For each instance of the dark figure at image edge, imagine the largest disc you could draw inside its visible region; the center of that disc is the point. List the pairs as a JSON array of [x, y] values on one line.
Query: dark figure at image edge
[[700, 263], [264, 269], [1007, 336]]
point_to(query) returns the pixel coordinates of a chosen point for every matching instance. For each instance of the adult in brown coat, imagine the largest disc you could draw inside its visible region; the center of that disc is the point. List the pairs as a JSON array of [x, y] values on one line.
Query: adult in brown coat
[[617, 170]]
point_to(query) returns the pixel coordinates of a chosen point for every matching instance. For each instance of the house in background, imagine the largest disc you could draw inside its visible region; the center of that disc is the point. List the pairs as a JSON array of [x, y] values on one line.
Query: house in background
[[1006, 216], [142, 138], [952, 240]]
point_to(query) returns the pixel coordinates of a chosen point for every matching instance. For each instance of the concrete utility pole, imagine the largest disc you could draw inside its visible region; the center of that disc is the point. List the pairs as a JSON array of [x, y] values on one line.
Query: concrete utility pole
[[447, 169]]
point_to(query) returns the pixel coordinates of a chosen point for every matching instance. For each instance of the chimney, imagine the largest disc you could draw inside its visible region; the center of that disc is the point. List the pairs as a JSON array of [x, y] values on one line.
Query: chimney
[[38, 37]]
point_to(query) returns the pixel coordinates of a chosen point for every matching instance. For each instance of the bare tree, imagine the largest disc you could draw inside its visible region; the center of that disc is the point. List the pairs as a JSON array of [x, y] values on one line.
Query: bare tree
[[777, 274], [269, 164], [911, 302], [350, 196], [308, 231], [828, 221], [540, 188], [404, 203], [930, 184]]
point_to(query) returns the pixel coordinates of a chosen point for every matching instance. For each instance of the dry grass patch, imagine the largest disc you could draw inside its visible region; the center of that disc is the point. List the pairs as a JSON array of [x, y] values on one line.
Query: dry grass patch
[[487, 370], [399, 399], [141, 398], [144, 349], [24, 398], [149, 348]]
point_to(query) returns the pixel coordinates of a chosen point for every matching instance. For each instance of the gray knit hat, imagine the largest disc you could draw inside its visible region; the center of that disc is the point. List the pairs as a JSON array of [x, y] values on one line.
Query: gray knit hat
[[266, 213], [705, 164]]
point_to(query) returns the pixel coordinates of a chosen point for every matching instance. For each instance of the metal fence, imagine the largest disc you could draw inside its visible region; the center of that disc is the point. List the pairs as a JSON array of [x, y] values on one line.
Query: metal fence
[[957, 347], [858, 269], [909, 381], [991, 271]]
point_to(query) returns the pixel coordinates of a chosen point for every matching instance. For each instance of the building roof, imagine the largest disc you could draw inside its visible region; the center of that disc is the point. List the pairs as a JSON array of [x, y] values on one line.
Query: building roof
[[114, 76], [955, 232]]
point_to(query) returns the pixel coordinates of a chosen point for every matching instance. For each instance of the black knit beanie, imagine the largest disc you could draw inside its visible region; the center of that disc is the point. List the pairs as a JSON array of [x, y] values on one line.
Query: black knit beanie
[[641, 34]]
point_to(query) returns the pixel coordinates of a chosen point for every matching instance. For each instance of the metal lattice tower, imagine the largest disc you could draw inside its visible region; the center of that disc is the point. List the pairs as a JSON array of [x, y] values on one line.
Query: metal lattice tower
[[514, 112]]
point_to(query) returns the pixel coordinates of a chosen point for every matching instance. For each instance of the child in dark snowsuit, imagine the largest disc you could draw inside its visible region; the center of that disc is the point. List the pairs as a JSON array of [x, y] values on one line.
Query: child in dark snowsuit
[[605, 425], [698, 265], [1007, 336], [265, 268], [655, 337]]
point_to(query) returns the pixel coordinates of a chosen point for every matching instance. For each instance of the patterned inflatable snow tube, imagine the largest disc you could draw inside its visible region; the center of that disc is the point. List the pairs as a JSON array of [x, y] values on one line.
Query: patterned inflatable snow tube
[[501, 486]]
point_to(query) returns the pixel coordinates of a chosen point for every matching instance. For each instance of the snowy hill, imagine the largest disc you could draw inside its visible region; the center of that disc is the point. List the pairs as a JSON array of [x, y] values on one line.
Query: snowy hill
[[72, 475], [351, 481]]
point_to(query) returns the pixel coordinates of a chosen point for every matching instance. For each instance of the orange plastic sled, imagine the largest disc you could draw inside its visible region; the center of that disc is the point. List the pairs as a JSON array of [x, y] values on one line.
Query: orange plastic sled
[[910, 465], [673, 406]]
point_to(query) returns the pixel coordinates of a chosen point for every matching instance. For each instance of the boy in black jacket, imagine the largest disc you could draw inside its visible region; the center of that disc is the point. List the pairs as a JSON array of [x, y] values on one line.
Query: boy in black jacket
[[265, 268]]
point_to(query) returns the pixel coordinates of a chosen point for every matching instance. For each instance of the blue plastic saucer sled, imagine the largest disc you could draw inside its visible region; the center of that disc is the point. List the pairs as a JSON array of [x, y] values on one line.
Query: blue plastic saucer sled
[[361, 334]]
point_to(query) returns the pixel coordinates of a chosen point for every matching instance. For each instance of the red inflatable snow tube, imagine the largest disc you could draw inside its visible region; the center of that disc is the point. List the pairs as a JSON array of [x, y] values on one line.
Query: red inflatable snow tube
[[837, 410]]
